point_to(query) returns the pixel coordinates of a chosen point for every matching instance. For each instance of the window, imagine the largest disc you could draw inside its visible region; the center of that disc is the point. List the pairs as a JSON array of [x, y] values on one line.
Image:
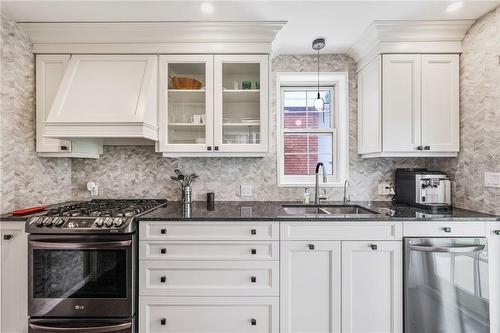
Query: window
[[307, 136]]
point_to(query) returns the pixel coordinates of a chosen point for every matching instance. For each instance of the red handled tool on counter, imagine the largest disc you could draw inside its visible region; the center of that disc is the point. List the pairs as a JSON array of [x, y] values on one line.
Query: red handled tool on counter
[[27, 211]]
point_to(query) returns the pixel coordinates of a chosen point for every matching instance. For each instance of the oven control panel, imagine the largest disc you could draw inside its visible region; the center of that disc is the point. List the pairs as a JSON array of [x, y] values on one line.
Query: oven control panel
[[49, 224]]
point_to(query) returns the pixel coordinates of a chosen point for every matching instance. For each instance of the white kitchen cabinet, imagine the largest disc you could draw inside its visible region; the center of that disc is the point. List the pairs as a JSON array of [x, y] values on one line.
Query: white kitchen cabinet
[[440, 102], [401, 84], [493, 234], [372, 287], [419, 112], [241, 103], [14, 278], [209, 314], [310, 297], [50, 70], [186, 115]]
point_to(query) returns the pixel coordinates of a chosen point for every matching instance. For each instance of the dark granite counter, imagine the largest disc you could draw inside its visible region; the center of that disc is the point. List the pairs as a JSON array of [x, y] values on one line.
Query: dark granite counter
[[274, 211]]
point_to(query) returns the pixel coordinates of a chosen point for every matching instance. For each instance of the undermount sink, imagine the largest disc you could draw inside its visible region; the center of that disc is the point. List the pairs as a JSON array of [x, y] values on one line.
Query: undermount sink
[[327, 210]]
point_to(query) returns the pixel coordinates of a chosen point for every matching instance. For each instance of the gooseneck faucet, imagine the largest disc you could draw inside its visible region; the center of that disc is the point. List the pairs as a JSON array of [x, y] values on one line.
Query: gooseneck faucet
[[316, 187]]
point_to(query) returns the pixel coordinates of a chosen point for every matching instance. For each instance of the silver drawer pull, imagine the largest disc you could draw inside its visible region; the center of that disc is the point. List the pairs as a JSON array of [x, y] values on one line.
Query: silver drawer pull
[[448, 249], [447, 229]]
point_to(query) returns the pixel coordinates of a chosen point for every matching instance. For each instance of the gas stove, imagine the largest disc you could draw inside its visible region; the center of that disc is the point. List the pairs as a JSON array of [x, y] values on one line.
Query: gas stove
[[95, 216]]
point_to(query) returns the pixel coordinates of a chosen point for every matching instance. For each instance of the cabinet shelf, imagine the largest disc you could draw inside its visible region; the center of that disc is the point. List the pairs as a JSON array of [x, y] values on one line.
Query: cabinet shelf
[[241, 124], [241, 95], [186, 96]]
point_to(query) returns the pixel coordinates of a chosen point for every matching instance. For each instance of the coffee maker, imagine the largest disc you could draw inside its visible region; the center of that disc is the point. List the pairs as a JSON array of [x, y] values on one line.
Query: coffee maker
[[422, 188]]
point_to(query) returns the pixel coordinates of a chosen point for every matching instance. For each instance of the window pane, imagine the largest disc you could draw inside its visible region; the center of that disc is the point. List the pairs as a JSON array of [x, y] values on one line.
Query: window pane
[[304, 151], [294, 106]]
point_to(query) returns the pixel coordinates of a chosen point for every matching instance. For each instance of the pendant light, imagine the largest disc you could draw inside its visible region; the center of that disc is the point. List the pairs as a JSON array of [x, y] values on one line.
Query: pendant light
[[318, 44]]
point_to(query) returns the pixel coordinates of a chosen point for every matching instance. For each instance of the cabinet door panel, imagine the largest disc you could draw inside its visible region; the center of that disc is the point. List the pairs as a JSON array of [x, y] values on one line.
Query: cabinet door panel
[[372, 289], [440, 95], [401, 102], [49, 73], [186, 111], [241, 103], [310, 287], [14, 279]]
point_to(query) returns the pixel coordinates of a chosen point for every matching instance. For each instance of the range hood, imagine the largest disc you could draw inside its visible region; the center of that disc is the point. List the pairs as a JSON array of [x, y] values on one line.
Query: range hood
[[106, 96]]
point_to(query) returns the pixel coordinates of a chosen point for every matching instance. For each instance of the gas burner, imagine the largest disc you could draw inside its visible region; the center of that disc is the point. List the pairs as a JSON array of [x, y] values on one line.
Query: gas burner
[[95, 216]]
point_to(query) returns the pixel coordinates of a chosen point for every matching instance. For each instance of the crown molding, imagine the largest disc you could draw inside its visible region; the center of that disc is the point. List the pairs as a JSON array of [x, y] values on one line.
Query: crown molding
[[396, 36], [52, 37]]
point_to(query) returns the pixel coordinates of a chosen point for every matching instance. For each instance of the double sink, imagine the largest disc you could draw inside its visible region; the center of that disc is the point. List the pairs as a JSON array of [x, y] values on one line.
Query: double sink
[[310, 211]]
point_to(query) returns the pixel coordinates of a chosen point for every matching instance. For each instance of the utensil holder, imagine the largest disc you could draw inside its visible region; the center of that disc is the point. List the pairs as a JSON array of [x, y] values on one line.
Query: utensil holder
[[187, 194]]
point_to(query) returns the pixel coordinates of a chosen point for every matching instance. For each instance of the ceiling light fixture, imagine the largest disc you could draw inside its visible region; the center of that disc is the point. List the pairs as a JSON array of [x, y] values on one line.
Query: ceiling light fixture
[[318, 44], [453, 7], [207, 8]]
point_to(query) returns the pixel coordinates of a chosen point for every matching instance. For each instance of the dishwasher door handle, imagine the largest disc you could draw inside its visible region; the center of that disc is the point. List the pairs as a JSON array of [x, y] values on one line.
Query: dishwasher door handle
[[448, 249]]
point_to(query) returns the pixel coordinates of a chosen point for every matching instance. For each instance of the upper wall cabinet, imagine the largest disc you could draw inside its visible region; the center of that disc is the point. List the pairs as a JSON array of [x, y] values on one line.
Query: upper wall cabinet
[[408, 106], [49, 73], [214, 105], [106, 96]]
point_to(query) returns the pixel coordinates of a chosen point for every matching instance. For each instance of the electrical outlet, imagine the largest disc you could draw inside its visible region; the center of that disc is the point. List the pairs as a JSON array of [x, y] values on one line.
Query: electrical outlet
[[492, 179], [385, 189], [246, 190]]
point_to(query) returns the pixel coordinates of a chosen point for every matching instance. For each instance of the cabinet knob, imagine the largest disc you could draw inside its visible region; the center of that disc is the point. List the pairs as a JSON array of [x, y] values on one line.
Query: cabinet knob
[[447, 229], [427, 147], [374, 247], [420, 148], [310, 246], [163, 251], [497, 232], [254, 251], [209, 148], [163, 321], [253, 322], [7, 237], [163, 279], [163, 231], [216, 148], [253, 231], [64, 147], [253, 279]]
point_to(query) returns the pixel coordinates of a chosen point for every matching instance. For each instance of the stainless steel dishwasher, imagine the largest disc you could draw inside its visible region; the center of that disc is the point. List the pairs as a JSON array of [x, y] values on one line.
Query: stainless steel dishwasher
[[446, 285]]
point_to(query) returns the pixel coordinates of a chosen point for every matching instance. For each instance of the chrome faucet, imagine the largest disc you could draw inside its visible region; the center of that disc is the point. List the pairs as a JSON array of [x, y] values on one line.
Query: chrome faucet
[[347, 197], [317, 197]]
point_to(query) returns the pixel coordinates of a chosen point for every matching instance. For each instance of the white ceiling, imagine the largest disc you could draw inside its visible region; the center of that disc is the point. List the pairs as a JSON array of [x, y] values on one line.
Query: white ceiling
[[341, 22]]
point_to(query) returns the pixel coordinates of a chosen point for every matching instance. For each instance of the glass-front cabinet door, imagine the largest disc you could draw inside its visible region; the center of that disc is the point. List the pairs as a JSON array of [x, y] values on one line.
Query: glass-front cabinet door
[[241, 103], [186, 103]]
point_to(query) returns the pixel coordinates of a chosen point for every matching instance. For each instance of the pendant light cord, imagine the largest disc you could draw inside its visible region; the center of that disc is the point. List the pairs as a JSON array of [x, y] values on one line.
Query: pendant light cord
[[318, 75]]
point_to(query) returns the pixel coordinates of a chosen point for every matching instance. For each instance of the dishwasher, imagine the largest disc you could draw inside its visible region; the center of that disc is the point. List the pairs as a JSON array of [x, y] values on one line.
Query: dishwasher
[[446, 285]]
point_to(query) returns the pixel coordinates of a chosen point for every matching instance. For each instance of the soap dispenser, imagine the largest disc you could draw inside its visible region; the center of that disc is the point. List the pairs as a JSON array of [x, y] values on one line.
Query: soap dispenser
[[307, 196]]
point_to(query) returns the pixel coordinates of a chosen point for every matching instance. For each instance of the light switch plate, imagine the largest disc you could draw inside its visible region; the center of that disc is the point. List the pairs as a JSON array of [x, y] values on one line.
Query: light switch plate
[[246, 190], [492, 179]]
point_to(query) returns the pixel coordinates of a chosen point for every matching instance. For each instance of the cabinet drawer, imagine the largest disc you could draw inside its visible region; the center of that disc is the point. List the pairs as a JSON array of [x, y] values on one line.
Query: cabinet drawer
[[444, 229], [208, 230], [208, 250], [209, 278], [208, 314], [341, 231]]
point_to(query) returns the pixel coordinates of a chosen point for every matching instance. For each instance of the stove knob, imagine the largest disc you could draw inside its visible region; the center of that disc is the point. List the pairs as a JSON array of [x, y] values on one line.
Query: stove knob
[[118, 222], [47, 221], [37, 220], [108, 222], [58, 221], [99, 222]]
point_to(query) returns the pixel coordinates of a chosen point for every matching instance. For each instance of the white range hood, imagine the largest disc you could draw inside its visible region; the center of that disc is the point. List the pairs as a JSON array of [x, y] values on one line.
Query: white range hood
[[106, 96]]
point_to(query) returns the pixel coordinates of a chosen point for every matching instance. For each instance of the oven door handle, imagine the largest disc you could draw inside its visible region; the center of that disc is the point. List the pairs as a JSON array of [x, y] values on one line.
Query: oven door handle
[[80, 245], [96, 329], [448, 249]]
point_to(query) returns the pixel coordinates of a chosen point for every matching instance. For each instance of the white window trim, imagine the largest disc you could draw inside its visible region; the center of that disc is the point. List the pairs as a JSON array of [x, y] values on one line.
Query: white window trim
[[339, 82]]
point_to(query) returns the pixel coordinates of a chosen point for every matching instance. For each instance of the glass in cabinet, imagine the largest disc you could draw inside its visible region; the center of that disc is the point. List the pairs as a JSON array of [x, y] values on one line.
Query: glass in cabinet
[[241, 103], [186, 105]]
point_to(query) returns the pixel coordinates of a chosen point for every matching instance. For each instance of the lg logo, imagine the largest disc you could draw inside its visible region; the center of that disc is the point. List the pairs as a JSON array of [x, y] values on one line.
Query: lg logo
[[79, 307]]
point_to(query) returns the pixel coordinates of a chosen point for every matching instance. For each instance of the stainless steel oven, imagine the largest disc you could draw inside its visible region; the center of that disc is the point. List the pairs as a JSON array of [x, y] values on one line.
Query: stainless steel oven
[[446, 285], [82, 276]]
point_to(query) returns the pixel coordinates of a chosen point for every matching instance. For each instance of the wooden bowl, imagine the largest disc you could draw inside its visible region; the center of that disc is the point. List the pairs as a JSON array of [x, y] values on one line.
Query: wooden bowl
[[185, 83]]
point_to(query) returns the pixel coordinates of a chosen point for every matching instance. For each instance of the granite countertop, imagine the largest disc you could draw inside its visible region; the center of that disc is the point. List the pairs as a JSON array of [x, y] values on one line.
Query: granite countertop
[[273, 211]]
